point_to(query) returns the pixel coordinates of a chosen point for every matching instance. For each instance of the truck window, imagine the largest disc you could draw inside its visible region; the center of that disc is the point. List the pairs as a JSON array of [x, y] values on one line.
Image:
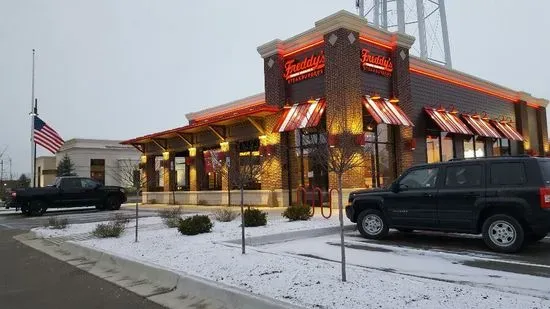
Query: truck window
[[71, 183], [88, 183], [508, 173]]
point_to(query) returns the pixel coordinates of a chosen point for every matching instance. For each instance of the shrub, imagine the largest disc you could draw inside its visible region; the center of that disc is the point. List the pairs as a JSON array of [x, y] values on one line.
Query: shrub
[[120, 219], [255, 217], [194, 225], [111, 229], [298, 212], [225, 215], [57, 224], [170, 216], [114, 228]]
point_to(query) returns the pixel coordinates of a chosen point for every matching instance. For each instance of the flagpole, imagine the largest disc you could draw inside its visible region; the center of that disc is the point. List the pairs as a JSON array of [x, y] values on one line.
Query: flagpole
[[33, 144]]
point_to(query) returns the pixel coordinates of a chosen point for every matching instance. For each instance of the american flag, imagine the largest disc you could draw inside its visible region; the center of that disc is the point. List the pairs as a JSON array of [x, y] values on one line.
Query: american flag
[[46, 137]]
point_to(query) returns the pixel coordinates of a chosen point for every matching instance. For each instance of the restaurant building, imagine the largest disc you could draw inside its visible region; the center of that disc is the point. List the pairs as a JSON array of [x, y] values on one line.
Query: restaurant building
[[406, 110]]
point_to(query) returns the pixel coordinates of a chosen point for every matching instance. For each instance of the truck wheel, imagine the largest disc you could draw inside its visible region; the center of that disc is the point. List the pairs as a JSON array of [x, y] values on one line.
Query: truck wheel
[[112, 203], [25, 211], [372, 224], [503, 233], [37, 208]]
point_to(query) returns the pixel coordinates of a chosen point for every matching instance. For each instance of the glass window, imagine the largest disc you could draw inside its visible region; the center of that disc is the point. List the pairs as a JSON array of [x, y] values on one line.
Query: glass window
[[432, 148], [469, 148], [182, 179], [447, 147], [496, 148], [71, 183], [505, 147], [97, 170], [88, 183], [159, 171], [545, 168], [509, 173], [480, 147], [464, 176], [419, 179]]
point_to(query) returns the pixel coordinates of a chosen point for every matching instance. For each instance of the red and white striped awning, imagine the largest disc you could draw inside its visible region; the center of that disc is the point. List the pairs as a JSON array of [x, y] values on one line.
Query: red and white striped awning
[[507, 130], [447, 121], [383, 111], [301, 115], [481, 127]]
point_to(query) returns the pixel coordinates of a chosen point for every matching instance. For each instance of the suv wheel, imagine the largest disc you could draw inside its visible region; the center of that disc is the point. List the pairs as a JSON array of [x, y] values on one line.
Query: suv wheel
[[503, 233], [112, 203], [372, 224]]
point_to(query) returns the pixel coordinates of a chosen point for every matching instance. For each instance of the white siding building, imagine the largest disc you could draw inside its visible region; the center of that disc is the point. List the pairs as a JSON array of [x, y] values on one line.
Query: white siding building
[[106, 161]]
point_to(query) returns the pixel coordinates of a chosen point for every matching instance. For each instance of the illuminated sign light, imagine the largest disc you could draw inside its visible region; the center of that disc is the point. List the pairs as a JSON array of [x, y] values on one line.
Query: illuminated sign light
[[376, 63], [297, 71]]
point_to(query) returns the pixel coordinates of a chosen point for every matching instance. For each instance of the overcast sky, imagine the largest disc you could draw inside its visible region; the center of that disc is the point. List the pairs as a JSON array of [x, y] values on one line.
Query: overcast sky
[[119, 69]]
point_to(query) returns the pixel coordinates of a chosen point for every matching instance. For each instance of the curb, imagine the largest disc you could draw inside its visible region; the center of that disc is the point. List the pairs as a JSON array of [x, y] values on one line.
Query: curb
[[165, 287], [296, 235]]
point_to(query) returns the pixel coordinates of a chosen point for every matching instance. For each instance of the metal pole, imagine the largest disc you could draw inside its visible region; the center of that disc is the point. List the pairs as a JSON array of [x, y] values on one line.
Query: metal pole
[[377, 13], [446, 45], [361, 7], [401, 16], [33, 145], [137, 213], [421, 29], [34, 159], [385, 14], [242, 220]]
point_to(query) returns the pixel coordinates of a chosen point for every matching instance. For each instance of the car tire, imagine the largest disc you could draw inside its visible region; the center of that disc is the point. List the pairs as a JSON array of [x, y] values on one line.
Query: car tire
[[405, 230], [37, 208], [25, 211], [503, 233], [372, 224], [112, 203]]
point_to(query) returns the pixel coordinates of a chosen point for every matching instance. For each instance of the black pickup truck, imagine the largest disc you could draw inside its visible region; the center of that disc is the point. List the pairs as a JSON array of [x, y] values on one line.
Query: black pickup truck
[[505, 199], [67, 192]]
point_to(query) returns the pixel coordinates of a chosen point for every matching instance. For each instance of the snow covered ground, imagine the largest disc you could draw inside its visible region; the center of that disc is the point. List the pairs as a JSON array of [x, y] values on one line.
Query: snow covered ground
[[74, 229], [419, 263], [378, 279]]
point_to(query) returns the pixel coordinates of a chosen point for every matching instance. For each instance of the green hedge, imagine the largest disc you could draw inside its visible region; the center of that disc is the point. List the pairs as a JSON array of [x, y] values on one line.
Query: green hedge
[[254, 217], [195, 225], [298, 212]]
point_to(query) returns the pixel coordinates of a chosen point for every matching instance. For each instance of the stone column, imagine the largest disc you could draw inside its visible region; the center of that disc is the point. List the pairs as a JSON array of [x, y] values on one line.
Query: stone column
[[169, 172], [344, 109], [149, 173], [401, 88], [521, 124], [542, 130]]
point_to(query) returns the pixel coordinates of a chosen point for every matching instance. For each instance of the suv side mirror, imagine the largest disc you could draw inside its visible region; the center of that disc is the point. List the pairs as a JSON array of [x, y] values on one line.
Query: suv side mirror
[[397, 187]]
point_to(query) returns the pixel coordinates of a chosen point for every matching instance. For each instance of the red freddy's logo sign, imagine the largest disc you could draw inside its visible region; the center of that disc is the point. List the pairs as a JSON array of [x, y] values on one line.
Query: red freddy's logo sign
[[375, 63], [312, 66]]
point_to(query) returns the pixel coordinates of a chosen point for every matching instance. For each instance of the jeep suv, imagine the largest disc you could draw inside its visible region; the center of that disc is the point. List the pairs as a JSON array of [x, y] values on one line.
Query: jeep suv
[[506, 199]]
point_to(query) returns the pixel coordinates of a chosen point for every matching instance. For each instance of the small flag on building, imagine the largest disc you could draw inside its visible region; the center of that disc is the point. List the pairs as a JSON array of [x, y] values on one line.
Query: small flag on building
[[46, 137]]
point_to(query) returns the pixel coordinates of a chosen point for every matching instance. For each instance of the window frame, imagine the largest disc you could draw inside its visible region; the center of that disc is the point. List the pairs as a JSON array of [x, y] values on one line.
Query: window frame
[[439, 137]]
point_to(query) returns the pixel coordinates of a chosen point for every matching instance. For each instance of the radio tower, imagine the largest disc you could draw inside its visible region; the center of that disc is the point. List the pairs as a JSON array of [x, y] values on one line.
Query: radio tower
[[423, 19]]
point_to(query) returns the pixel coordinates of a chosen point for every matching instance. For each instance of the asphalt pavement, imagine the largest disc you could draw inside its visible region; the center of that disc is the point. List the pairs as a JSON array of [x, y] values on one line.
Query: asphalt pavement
[[30, 279]]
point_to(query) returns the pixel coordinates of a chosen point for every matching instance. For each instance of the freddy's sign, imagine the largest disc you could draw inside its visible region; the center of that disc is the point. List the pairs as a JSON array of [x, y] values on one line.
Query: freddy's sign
[[309, 67], [375, 63]]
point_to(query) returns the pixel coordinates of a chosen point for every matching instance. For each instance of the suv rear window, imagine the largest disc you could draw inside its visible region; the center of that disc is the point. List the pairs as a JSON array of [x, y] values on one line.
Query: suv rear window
[[545, 169], [508, 173]]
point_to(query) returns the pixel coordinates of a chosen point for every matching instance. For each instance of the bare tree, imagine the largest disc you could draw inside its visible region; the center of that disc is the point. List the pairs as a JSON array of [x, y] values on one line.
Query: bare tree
[[341, 153], [128, 174], [241, 171]]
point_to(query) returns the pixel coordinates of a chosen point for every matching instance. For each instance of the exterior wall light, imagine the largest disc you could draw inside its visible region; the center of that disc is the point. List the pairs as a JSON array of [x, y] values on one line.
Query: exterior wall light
[[192, 152], [224, 146], [143, 159], [166, 156], [375, 96], [394, 100]]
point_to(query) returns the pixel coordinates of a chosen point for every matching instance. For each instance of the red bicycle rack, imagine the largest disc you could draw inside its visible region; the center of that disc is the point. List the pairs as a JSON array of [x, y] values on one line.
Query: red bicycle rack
[[330, 202]]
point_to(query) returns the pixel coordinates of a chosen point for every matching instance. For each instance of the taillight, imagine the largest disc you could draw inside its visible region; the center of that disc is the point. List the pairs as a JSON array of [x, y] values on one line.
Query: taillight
[[544, 197], [13, 194]]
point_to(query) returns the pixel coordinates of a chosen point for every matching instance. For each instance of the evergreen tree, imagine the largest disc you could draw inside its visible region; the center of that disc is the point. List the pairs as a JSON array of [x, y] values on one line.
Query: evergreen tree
[[23, 181], [65, 167]]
